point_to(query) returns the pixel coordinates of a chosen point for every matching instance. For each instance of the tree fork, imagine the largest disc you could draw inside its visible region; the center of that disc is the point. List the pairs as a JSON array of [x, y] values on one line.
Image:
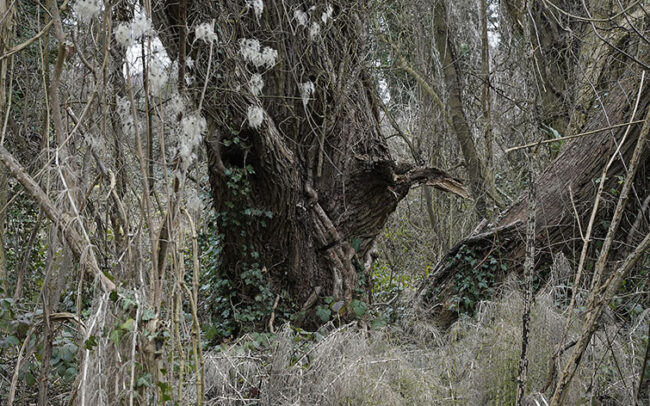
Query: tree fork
[[317, 162]]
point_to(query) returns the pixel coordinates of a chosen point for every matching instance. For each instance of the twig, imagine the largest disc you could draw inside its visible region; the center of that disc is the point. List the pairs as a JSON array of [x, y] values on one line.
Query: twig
[[134, 341], [77, 244], [570, 137], [529, 265], [196, 329], [30, 41], [272, 318], [643, 368]]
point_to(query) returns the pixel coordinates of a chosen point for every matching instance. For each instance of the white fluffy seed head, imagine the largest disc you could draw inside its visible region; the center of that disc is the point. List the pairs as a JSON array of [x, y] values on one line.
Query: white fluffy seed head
[[193, 126], [126, 33], [314, 31], [87, 9], [140, 26], [176, 105], [269, 57], [252, 52], [306, 90], [327, 14], [301, 17], [157, 77], [194, 202], [257, 7], [205, 32], [123, 35], [249, 48], [255, 116], [255, 84]]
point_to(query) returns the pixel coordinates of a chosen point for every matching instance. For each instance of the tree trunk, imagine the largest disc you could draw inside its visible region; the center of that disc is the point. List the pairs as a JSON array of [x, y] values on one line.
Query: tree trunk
[[566, 190], [480, 179], [306, 191]]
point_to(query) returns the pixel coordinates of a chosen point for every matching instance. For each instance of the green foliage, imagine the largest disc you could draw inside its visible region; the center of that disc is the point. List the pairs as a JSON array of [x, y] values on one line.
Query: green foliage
[[386, 283], [474, 279], [14, 325], [359, 308], [332, 310], [323, 313], [237, 300], [64, 355]]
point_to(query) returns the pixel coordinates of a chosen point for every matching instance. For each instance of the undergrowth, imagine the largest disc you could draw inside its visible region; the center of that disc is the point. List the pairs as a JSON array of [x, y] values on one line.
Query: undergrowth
[[412, 363]]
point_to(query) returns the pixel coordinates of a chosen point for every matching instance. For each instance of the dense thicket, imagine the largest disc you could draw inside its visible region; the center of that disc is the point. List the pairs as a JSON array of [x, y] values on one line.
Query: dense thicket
[[324, 202]]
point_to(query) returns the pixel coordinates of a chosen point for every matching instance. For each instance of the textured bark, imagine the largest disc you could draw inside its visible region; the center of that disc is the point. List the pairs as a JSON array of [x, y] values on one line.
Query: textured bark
[[572, 178], [486, 104], [321, 168], [601, 294], [571, 56]]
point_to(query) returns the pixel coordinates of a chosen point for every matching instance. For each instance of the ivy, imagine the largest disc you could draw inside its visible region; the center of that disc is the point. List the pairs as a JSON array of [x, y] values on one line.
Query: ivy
[[474, 279], [237, 301]]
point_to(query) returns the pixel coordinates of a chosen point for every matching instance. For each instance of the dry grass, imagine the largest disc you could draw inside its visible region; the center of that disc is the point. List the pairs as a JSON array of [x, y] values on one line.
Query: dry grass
[[474, 363]]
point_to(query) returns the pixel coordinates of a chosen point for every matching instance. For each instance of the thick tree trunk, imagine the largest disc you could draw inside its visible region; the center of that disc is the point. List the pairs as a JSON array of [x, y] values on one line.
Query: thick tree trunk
[[307, 191], [567, 188], [565, 191]]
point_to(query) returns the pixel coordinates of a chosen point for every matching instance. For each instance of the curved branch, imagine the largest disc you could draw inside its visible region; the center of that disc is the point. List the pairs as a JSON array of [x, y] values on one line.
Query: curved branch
[[82, 251]]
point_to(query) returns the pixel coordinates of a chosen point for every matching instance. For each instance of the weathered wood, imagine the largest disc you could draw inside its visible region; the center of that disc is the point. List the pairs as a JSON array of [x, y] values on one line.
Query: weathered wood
[[317, 162], [574, 175]]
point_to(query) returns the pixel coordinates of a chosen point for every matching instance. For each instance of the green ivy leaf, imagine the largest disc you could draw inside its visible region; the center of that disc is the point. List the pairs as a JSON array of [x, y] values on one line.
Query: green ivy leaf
[[13, 341], [29, 379], [71, 372], [90, 343], [128, 325], [115, 336], [379, 322], [68, 352], [323, 313], [359, 308], [148, 314], [144, 380]]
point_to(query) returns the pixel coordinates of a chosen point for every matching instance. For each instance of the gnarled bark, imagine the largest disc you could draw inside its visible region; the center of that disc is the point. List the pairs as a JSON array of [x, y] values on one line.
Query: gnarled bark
[[570, 181], [566, 189], [317, 164]]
